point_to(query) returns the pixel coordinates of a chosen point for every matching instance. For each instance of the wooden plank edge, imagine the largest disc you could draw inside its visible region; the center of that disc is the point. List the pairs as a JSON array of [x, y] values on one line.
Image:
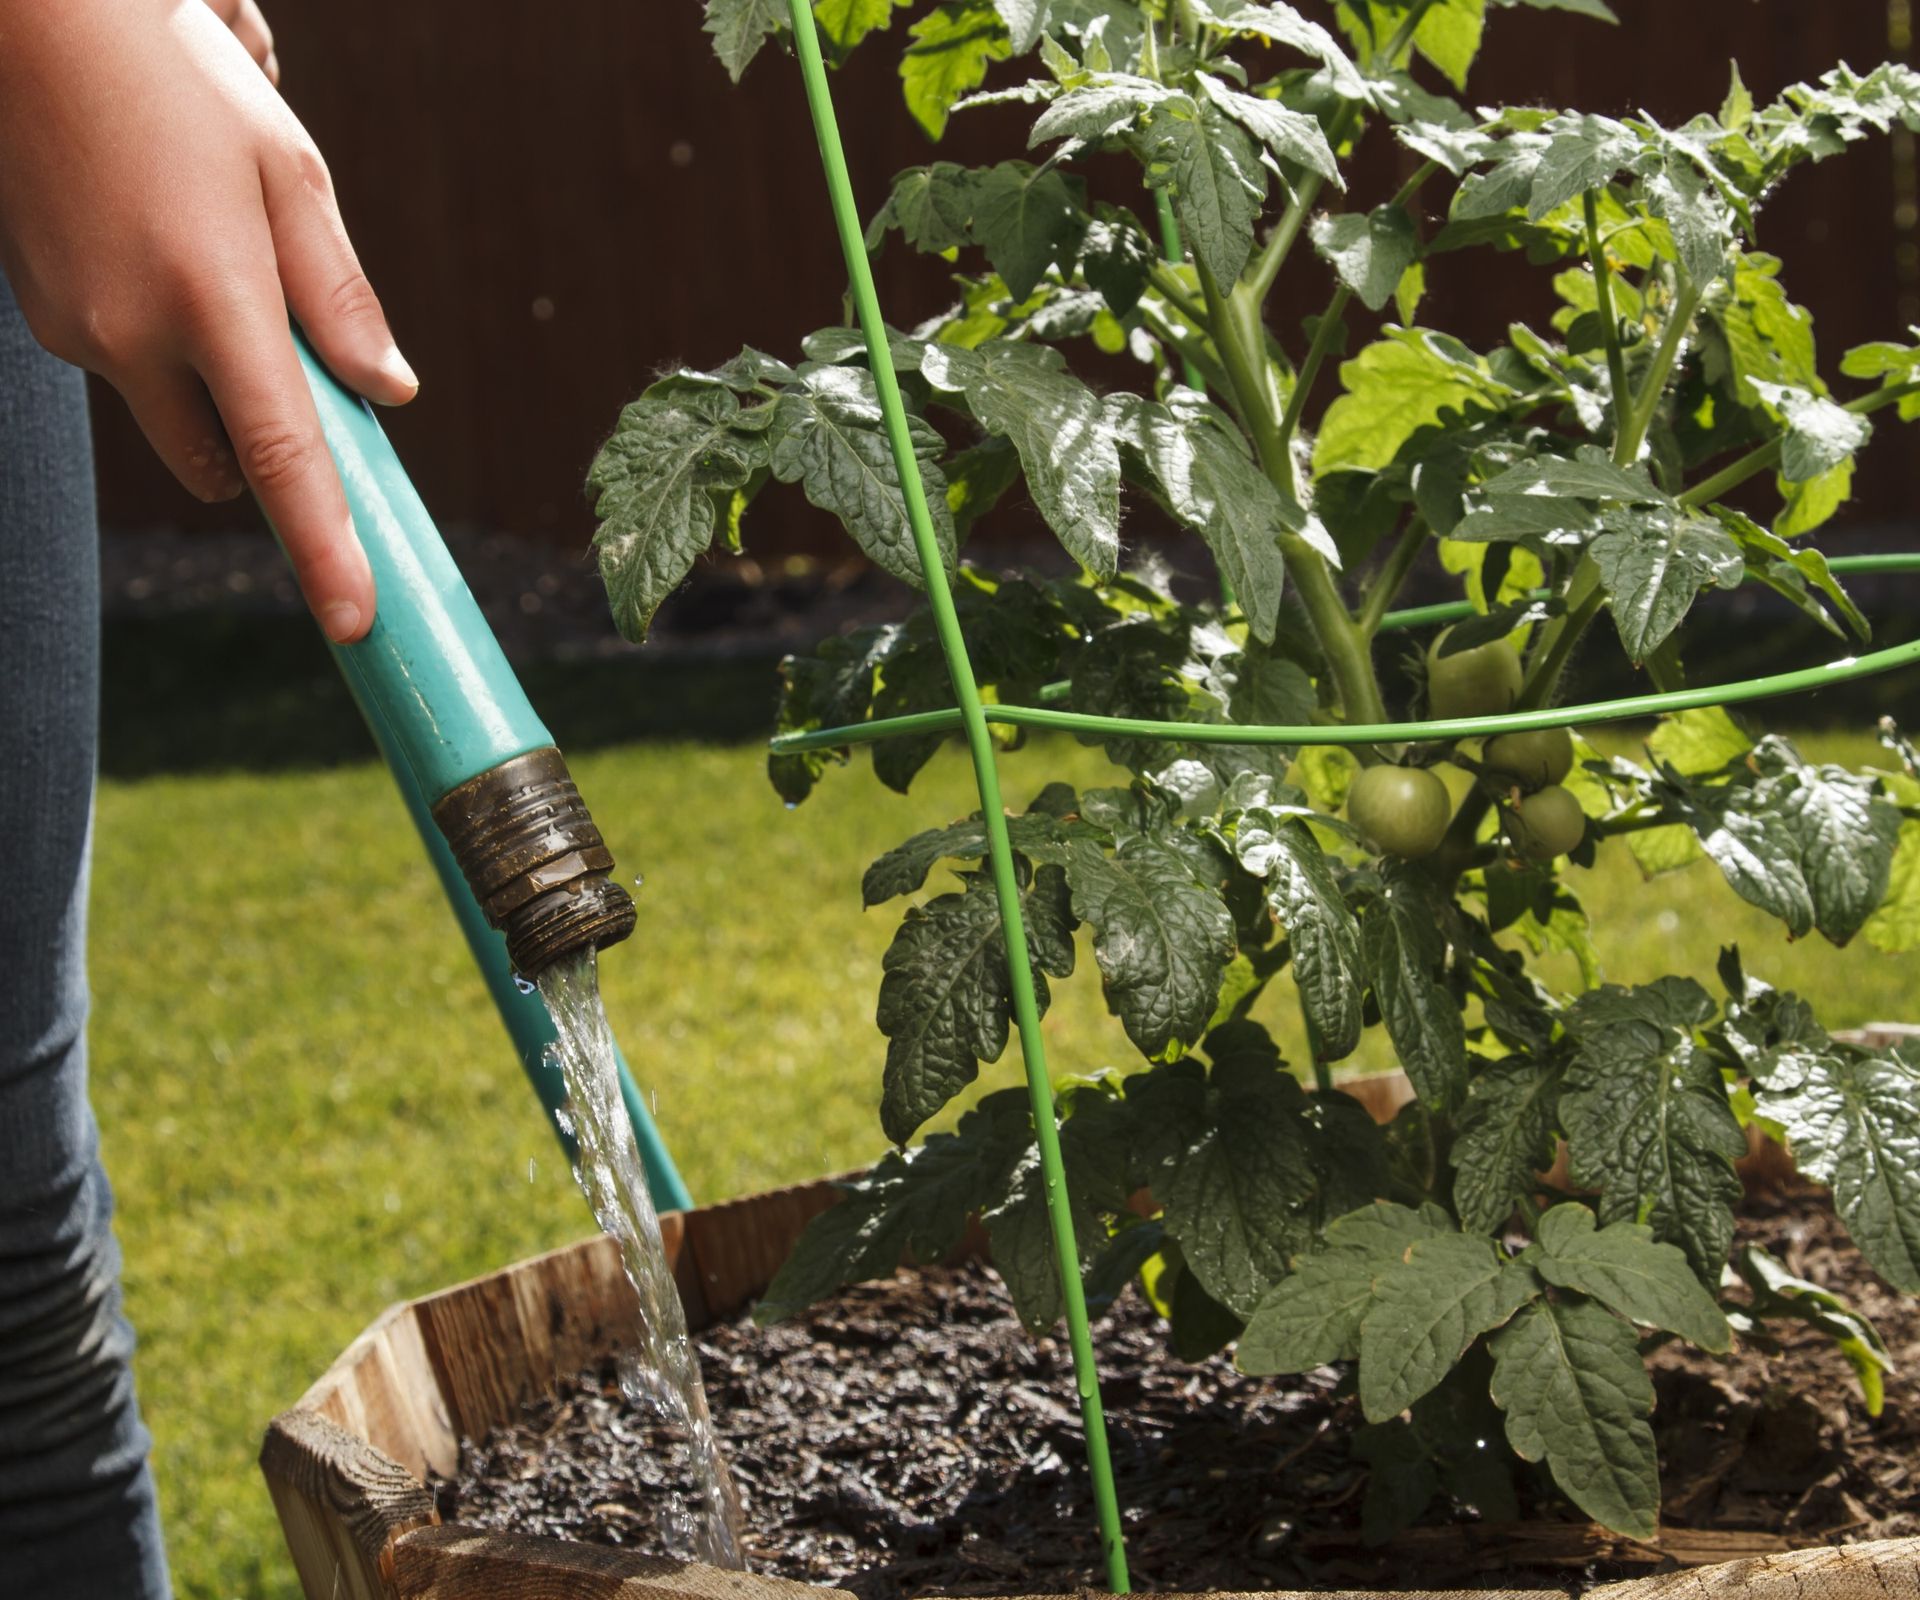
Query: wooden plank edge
[[342, 1504], [453, 1562]]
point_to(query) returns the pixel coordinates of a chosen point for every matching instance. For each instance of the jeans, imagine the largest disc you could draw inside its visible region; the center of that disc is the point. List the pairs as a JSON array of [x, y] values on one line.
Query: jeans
[[77, 1513]]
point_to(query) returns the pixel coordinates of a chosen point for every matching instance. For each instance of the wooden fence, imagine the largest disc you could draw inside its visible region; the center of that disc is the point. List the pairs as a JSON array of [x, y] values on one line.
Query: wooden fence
[[558, 199]]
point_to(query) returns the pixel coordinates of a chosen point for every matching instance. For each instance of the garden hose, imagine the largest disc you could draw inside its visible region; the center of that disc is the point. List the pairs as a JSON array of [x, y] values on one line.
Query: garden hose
[[523, 865], [973, 720]]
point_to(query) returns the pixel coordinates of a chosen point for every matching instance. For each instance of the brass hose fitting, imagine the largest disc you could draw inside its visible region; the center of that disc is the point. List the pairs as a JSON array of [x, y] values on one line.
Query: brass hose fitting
[[535, 860]]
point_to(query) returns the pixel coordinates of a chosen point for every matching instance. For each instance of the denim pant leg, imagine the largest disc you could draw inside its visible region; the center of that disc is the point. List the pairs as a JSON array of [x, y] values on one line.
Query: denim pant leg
[[77, 1514]]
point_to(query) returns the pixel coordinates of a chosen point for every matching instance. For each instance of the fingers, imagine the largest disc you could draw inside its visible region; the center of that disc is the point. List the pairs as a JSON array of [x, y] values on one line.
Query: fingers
[[261, 394], [175, 413], [250, 28], [324, 285]]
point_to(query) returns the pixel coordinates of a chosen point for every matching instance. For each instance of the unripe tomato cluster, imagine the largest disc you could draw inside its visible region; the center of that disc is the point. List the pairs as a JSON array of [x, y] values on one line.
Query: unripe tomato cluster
[[1404, 811]]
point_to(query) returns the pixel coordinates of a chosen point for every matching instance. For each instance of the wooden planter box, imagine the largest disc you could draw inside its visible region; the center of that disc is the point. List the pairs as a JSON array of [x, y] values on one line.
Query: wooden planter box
[[347, 1466]]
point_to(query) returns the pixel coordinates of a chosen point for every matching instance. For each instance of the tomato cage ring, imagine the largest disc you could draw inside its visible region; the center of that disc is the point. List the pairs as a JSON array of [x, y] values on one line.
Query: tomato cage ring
[[1626, 709]]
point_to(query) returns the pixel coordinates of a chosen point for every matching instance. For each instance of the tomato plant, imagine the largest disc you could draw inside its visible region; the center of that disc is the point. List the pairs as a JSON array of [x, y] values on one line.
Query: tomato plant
[[1573, 472]]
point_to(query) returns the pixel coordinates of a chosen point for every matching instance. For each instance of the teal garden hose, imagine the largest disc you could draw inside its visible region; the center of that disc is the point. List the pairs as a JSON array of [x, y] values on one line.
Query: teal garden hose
[[522, 864]]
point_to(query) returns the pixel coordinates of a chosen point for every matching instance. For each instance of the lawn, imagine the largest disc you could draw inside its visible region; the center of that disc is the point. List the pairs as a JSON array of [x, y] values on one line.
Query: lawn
[[310, 1110]]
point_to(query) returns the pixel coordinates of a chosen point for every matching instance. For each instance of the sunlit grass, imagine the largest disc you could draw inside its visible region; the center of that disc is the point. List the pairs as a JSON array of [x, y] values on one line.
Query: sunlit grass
[[310, 1109]]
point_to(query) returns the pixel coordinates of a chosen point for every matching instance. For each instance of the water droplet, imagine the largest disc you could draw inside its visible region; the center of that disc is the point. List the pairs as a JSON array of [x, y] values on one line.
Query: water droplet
[[524, 985], [639, 880], [793, 805], [532, 1167]]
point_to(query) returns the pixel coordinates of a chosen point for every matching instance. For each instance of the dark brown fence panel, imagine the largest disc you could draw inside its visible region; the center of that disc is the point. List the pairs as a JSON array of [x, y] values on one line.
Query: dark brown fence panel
[[556, 200]]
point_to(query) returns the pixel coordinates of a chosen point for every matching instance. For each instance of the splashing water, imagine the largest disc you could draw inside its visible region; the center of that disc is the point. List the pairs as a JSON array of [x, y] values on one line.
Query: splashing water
[[662, 1374]]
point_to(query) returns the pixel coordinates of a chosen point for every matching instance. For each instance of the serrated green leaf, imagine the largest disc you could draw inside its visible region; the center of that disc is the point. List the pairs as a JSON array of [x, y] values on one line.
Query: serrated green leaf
[[1321, 930], [1647, 1120], [932, 207], [904, 868], [1116, 259], [1576, 1394], [1853, 1122], [952, 48], [656, 481], [1702, 740], [1820, 435], [1504, 1139], [1628, 1271], [829, 435], [1211, 483], [1288, 134], [1895, 927], [1404, 950], [847, 22], [1370, 253], [1162, 938], [913, 1203], [1313, 1316], [1813, 502], [1218, 183], [1103, 108], [1446, 1293], [1393, 388], [1653, 563], [1283, 24], [1066, 438], [1449, 37], [1796, 571], [1024, 20], [1027, 220], [944, 1005], [1581, 152], [740, 27], [1844, 835]]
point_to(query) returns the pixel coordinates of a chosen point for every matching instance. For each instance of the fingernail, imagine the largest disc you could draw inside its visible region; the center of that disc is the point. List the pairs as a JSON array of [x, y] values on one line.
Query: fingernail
[[394, 365], [341, 620]]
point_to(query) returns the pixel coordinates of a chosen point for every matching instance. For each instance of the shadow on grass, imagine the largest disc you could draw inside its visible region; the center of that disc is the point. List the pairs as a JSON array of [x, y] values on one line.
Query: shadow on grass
[[214, 691]]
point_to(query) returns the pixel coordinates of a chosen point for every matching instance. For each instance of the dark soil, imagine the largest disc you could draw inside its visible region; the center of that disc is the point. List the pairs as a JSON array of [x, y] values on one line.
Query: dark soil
[[909, 1438]]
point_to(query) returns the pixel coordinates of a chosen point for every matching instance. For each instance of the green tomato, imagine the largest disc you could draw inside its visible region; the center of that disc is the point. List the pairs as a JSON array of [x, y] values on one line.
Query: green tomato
[[1402, 811], [1535, 759], [1547, 825], [1481, 682]]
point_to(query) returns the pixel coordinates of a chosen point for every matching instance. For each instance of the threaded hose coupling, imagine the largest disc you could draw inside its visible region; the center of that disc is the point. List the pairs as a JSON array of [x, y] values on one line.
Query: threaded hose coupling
[[535, 861]]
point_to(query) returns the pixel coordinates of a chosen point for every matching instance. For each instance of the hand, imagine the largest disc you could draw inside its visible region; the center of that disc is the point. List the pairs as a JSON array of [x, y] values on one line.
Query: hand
[[160, 211], [250, 28]]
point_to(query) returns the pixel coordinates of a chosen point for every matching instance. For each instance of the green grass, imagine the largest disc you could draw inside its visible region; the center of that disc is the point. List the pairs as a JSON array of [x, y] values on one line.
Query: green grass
[[310, 1110]]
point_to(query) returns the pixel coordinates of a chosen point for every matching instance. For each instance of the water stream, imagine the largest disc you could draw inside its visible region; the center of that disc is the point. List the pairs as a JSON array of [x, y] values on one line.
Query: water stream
[[662, 1374]]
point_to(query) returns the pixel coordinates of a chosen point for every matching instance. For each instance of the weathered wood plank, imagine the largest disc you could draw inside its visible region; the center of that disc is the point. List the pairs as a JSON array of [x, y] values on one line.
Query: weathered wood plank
[[458, 1563], [342, 1504], [739, 1245]]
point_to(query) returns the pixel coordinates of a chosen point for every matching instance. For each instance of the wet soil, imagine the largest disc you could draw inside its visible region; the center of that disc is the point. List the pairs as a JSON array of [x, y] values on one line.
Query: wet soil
[[909, 1438]]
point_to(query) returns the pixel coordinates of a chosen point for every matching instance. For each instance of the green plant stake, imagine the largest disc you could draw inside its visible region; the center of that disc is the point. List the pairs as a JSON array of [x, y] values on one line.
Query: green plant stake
[[980, 743]]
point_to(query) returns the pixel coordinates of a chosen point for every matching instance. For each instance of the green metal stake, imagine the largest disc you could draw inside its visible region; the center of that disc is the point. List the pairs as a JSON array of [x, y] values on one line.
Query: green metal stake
[[980, 742]]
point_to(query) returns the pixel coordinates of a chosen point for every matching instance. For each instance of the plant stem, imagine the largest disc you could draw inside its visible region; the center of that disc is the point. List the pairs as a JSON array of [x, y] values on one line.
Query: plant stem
[[1324, 334], [1166, 283], [1609, 322], [1330, 324], [1768, 454], [1639, 417], [1391, 576], [1193, 351], [1342, 642]]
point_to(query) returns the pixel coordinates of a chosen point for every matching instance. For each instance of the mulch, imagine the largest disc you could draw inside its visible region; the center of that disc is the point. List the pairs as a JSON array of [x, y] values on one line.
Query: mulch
[[909, 1438]]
